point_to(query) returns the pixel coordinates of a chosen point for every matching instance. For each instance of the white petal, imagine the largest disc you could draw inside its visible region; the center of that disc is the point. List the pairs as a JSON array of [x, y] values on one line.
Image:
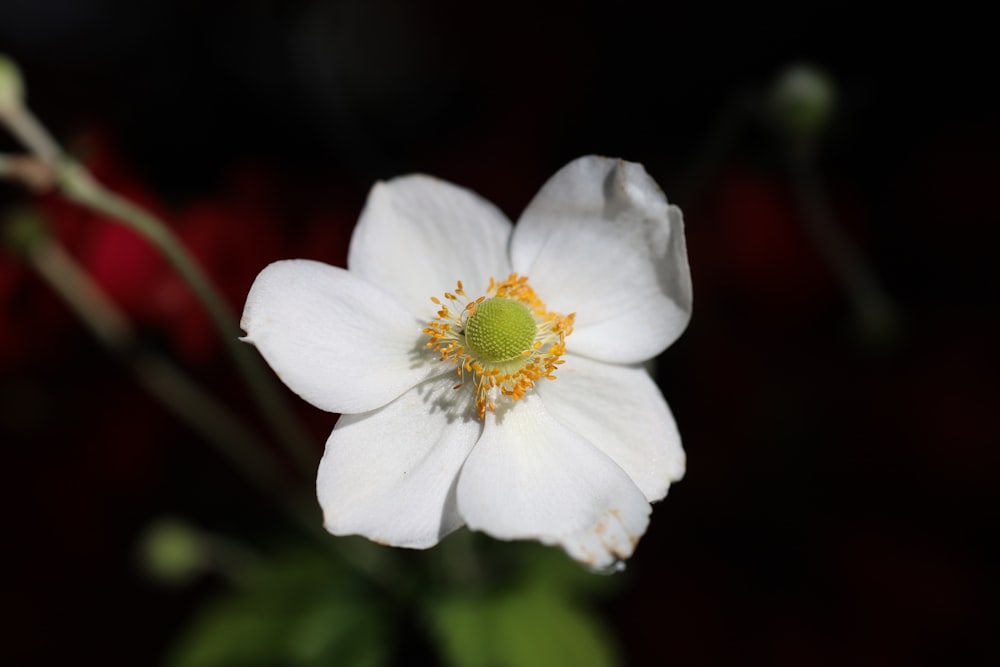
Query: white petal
[[623, 414], [418, 235], [530, 477], [600, 240], [335, 340], [609, 542], [390, 474]]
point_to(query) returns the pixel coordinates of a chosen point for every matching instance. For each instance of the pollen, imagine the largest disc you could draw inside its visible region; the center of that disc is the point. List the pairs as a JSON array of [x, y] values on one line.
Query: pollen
[[503, 341]]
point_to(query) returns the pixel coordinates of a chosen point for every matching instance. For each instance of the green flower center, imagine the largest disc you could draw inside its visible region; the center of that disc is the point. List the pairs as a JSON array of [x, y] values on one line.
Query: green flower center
[[506, 339], [500, 330]]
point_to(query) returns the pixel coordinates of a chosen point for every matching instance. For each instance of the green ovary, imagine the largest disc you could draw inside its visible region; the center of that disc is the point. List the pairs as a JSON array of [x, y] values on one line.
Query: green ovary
[[500, 330]]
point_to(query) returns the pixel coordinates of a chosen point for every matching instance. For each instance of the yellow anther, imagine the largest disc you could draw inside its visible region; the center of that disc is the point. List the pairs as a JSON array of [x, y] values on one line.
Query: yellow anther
[[505, 360]]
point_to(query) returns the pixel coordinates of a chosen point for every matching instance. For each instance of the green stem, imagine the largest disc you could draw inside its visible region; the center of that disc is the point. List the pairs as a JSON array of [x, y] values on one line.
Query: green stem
[[23, 124], [188, 401], [873, 308], [79, 186], [33, 173], [165, 381], [179, 393]]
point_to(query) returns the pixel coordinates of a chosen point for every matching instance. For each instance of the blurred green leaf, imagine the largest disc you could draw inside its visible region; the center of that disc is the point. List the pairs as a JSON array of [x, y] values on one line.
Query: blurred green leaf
[[301, 611], [529, 626], [550, 567], [461, 626]]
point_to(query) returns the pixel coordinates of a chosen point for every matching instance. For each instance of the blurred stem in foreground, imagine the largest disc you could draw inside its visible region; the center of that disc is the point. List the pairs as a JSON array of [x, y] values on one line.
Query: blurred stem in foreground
[[16, 116], [27, 235], [802, 105], [79, 186], [874, 311], [76, 184], [25, 232], [50, 166]]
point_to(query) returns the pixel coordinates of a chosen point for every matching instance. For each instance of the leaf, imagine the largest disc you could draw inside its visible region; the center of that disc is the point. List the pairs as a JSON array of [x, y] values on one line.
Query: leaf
[[300, 611], [551, 568], [462, 627], [531, 626]]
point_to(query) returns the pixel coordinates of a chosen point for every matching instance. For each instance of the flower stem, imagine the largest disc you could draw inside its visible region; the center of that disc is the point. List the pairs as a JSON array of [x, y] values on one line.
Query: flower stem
[[181, 395], [49, 165], [874, 311], [23, 125], [167, 383], [33, 173], [79, 186]]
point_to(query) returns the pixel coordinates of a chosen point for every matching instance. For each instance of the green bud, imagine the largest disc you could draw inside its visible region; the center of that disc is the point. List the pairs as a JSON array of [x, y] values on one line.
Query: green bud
[[802, 102], [172, 551]]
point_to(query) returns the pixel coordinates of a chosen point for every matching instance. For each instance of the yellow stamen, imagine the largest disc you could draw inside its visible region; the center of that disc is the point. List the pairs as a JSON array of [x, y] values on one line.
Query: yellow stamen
[[512, 377]]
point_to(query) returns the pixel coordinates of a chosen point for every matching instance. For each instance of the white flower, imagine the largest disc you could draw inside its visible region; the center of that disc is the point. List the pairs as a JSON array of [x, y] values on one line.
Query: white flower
[[555, 431]]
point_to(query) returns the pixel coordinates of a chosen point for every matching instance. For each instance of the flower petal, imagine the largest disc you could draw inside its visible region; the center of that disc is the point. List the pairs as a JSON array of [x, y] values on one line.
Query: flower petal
[[600, 240], [418, 235], [530, 477], [612, 540], [390, 474], [624, 415], [335, 340]]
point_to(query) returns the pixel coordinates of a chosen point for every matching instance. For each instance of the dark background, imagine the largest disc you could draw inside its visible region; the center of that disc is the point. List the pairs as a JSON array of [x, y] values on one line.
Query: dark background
[[839, 506]]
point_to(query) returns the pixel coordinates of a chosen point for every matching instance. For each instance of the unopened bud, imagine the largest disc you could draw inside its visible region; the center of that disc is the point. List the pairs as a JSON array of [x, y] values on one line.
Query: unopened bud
[[172, 551], [802, 102]]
